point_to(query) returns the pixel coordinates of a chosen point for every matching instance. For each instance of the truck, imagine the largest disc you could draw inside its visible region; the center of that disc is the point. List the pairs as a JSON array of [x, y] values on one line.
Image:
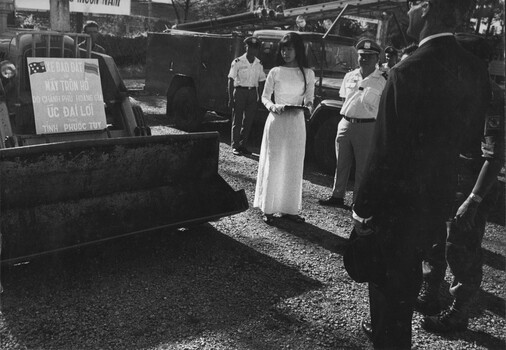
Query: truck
[[191, 68], [78, 163]]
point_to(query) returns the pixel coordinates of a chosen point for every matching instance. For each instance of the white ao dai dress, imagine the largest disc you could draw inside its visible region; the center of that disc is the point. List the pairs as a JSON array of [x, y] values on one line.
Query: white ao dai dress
[[281, 163]]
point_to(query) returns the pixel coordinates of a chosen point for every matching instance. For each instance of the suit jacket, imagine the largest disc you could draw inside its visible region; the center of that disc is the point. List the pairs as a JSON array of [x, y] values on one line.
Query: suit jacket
[[431, 102]]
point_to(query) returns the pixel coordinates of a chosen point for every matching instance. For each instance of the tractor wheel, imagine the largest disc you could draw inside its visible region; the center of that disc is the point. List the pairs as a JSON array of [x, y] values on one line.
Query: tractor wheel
[[324, 145], [188, 116], [142, 129]]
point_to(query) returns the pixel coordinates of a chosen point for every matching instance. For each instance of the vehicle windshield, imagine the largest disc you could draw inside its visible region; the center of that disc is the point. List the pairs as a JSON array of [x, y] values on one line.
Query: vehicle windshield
[[337, 60]]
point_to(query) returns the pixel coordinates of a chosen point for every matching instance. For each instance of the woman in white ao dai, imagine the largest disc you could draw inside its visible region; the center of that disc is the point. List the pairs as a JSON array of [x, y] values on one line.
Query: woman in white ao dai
[[280, 168]]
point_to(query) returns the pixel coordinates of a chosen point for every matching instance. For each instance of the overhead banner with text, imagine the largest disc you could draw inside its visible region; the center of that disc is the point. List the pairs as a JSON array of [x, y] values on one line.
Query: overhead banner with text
[[111, 7], [66, 95]]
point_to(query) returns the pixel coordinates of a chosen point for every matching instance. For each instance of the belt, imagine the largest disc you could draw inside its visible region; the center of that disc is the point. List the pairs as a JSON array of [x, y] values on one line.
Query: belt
[[359, 120], [246, 87]]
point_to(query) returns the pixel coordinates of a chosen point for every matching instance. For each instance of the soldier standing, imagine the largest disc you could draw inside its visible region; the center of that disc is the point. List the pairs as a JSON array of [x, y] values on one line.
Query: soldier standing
[[391, 56], [246, 74], [91, 28], [361, 89], [477, 193]]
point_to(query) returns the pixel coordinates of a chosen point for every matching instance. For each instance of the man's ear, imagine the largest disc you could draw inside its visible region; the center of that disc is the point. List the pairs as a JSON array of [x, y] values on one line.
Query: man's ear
[[427, 7]]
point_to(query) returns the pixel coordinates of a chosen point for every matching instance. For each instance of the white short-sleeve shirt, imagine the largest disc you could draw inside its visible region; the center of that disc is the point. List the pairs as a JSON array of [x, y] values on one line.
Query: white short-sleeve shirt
[[246, 74], [362, 96]]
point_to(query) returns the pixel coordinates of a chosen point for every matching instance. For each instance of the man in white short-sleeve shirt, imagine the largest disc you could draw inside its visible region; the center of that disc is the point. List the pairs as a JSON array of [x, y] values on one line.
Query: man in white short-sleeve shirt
[[361, 90], [246, 74]]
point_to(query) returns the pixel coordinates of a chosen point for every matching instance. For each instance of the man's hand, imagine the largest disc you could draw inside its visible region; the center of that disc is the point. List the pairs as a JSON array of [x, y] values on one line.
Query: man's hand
[[464, 219], [231, 102], [309, 110], [362, 229]]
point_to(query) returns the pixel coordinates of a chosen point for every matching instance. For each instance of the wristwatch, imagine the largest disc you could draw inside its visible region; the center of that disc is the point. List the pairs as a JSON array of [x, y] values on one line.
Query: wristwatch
[[475, 197]]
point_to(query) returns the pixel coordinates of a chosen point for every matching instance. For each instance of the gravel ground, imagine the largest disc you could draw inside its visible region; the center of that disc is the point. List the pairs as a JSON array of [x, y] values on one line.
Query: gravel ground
[[231, 284]]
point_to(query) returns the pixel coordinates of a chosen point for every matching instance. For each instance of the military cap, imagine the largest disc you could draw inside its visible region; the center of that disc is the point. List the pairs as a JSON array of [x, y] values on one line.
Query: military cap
[[252, 40], [368, 46], [391, 50]]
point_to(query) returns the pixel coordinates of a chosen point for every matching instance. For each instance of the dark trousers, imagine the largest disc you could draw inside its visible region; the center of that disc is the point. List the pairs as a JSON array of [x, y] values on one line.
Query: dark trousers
[[392, 301], [461, 250], [243, 114]]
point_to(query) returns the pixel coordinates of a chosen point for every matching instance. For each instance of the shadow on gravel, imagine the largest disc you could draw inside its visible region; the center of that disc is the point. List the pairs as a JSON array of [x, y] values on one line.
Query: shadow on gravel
[[491, 302], [143, 291], [484, 301], [313, 234], [478, 338], [498, 213], [494, 260], [314, 175]]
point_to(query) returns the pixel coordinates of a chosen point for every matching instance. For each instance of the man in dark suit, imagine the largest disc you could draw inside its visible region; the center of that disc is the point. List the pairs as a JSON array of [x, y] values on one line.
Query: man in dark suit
[[432, 101]]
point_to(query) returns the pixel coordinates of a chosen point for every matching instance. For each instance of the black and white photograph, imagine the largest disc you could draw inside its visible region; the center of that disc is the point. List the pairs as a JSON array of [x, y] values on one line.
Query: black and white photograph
[[252, 175]]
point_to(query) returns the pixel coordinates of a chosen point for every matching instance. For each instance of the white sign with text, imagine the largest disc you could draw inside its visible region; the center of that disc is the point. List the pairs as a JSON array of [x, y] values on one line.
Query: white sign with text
[[111, 7], [66, 95]]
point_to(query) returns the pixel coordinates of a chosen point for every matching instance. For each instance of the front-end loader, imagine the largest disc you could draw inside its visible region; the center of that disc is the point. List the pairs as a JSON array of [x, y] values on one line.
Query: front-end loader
[[78, 164]]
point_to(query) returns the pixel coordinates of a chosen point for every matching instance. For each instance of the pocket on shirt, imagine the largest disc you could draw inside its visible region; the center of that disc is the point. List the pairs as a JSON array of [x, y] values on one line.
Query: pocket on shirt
[[371, 98], [349, 89], [242, 73]]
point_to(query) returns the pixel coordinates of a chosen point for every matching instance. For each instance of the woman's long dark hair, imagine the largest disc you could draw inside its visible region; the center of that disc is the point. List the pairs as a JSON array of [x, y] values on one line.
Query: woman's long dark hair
[[295, 40]]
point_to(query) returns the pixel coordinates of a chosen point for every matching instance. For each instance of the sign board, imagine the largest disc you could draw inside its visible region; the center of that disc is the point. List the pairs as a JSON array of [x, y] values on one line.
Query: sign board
[[111, 7], [66, 95]]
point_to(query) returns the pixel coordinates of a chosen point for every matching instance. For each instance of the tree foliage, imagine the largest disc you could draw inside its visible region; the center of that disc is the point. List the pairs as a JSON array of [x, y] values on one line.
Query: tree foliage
[[489, 14], [205, 9], [488, 17]]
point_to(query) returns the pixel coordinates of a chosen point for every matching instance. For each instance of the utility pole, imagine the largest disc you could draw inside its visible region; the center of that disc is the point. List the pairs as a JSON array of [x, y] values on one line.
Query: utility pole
[[150, 14], [254, 4], [5, 9], [59, 12], [79, 21]]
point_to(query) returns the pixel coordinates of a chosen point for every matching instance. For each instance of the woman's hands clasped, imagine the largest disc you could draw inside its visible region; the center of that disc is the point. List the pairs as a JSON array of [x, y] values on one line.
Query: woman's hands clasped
[[279, 108], [276, 108]]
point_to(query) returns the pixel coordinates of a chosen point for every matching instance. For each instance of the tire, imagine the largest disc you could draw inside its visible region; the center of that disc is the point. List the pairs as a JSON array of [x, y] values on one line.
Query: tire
[[137, 110], [187, 114], [324, 145], [142, 129]]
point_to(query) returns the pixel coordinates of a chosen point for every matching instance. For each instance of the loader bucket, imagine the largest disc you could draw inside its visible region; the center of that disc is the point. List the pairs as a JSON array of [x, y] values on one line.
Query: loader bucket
[[68, 194]]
